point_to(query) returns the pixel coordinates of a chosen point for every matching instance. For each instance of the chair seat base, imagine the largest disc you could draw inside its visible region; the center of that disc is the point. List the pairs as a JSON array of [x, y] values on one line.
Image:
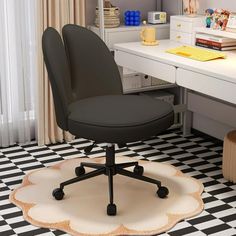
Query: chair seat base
[[110, 169]]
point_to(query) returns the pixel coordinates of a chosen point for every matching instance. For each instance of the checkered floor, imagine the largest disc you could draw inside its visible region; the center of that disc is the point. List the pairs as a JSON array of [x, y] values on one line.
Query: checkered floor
[[198, 156]]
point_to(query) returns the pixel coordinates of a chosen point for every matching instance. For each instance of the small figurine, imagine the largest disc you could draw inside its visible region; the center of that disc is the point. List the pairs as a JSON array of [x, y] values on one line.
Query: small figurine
[[209, 16], [224, 19], [191, 7], [216, 19], [221, 18]]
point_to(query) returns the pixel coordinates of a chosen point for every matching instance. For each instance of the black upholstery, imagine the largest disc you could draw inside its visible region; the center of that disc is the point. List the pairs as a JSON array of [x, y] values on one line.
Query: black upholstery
[[119, 119], [87, 91], [59, 74], [88, 99], [93, 69]]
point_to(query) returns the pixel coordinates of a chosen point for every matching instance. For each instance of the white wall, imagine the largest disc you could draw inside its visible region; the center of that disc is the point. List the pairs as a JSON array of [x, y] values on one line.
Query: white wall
[[143, 5], [172, 7], [225, 4]]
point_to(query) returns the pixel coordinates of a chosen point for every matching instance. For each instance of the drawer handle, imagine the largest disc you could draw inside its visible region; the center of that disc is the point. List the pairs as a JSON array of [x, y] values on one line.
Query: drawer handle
[[178, 37], [179, 25]]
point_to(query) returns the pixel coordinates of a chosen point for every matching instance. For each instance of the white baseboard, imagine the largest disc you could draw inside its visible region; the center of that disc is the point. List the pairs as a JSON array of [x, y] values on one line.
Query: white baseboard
[[210, 127]]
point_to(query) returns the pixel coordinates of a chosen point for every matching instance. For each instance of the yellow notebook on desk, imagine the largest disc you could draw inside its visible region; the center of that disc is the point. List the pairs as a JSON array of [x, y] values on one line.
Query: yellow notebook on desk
[[196, 53]]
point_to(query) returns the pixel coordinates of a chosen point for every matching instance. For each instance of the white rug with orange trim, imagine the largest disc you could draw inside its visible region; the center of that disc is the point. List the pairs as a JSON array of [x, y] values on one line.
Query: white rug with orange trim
[[83, 209]]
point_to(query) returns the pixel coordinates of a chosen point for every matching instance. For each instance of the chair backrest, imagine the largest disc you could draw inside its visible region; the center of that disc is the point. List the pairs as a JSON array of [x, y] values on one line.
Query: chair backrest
[[92, 65], [59, 74]]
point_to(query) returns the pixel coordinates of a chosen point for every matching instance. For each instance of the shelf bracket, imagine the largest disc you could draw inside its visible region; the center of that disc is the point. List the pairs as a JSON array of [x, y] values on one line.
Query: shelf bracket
[[101, 19]]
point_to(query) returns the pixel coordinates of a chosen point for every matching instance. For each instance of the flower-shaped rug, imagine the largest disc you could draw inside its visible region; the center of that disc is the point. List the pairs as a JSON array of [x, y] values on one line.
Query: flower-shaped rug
[[83, 209]]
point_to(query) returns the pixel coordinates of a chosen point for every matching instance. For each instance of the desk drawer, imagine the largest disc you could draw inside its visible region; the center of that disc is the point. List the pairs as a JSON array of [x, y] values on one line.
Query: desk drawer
[[146, 66], [212, 108], [182, 26], [208, 85], [181, 37]]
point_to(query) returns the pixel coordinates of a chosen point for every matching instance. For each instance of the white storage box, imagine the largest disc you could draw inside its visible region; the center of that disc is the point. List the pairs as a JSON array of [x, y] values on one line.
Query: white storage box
[[156, 81], [133, 81], [182, 28], [146, 81]]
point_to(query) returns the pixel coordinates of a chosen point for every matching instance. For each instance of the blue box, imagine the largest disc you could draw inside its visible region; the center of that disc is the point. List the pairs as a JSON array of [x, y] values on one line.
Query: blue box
[[132, 18]]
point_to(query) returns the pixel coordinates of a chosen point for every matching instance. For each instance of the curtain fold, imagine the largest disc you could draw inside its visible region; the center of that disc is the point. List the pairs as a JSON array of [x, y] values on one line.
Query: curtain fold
[[53, 13], [17, 71]]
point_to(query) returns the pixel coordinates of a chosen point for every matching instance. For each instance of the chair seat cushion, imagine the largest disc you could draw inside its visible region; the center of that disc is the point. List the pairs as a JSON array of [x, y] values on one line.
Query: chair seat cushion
[[119, 118]]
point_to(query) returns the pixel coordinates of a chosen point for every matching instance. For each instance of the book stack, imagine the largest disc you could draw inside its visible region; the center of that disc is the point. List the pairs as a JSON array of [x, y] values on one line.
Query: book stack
[[215, 42]]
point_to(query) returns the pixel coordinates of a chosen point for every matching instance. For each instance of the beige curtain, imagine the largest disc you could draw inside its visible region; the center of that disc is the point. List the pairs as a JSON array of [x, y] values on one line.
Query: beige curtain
[[53, 13]]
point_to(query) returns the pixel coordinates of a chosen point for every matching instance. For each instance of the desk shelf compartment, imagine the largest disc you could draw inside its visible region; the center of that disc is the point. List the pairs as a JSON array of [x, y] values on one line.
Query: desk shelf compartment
[[134, 82], [125, 34], [215, 32], [151, 88]]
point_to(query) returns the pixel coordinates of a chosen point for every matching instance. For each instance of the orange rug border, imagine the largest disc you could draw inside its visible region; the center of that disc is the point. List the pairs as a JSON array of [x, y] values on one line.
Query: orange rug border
[[121, 230]]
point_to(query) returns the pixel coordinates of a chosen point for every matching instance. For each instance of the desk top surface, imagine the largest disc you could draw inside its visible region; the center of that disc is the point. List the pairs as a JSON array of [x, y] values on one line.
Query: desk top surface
[[224, 69]]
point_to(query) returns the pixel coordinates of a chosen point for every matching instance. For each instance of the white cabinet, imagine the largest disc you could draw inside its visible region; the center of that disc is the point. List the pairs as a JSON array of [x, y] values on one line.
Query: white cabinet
[[124, 34], [182, 28], [181, 37]]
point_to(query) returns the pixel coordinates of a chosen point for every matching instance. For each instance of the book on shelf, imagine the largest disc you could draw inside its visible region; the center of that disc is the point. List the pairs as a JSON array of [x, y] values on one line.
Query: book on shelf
[[232, 30], [213, 38], [216, 47], [217, 44]]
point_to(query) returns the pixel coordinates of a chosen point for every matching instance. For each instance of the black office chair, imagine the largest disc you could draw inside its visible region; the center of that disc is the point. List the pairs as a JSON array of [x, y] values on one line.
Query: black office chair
[[89, 103]]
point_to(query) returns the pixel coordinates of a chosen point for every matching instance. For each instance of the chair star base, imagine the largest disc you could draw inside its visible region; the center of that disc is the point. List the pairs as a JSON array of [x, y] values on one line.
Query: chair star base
[[110, 169]]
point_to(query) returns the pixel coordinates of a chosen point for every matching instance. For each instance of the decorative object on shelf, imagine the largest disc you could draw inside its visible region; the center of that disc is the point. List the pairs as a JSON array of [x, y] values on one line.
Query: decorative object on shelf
[[224, 19], [191, 7], [132, 18], [216, 18], [231, 25], [148, 35], [111, 15], [156, 17], [220, 18], [209, 17]]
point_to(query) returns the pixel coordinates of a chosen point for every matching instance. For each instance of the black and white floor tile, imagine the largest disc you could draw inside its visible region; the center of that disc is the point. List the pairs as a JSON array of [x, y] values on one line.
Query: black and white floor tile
[[198, 155]]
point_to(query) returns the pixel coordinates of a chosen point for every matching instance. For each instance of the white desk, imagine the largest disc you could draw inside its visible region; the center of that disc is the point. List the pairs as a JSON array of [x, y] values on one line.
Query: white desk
[[215, 78]]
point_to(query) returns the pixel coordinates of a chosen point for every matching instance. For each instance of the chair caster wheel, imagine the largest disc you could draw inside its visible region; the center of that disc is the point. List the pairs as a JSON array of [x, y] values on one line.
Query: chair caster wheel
[[79, 171], [138, 170], [58, 194], [162, 192], [111, 210]]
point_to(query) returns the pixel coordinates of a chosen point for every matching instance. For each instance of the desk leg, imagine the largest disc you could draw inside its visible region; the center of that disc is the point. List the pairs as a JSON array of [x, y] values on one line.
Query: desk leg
[[186, 117]]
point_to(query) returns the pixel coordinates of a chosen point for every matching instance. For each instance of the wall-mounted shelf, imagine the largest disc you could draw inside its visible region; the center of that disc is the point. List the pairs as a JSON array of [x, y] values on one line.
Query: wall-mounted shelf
[[175, 8], [124, 34], [215, 32]]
